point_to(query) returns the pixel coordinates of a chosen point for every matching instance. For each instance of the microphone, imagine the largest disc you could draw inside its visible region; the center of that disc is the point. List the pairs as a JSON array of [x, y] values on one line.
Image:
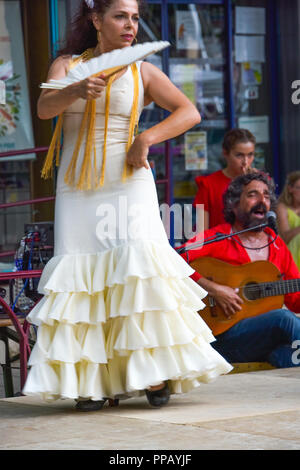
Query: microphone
[[271, 217]]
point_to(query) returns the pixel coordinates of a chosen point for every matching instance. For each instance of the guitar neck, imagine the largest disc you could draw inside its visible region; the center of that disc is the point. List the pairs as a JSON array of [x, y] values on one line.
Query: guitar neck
[[270, 289]]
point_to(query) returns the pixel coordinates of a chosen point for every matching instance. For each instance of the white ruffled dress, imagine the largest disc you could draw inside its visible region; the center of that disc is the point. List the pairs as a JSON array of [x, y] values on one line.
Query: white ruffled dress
[[119, 311]]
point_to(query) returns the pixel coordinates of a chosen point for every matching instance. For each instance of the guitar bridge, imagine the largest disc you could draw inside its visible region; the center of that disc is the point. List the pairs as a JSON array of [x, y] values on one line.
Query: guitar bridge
[[212, 305]]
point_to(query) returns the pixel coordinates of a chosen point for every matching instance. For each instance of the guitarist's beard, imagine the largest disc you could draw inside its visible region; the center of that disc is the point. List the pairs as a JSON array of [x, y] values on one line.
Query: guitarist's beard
[[249, 219]]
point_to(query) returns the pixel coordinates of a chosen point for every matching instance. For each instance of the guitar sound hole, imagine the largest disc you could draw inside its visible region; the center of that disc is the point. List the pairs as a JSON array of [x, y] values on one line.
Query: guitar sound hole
[[252, 291]]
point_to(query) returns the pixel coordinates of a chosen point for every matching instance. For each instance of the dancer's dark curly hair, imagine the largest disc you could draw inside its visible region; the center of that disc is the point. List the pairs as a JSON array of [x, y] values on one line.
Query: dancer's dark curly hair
[[82, 34]]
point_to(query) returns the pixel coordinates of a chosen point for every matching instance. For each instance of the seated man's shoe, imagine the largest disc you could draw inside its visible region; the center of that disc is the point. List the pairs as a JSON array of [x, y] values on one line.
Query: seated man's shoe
[[89, 405], [158, 397]]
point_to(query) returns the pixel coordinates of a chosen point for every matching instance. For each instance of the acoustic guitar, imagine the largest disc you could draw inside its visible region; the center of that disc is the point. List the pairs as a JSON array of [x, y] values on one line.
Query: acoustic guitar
[[259, 283]]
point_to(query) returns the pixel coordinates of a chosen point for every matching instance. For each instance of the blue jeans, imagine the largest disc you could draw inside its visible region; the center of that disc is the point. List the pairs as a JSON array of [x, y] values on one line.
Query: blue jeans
[[268, 337]]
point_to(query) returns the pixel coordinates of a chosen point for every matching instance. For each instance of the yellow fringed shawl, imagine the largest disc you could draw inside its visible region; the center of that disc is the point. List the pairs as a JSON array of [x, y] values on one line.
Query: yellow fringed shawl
[[88, 128]]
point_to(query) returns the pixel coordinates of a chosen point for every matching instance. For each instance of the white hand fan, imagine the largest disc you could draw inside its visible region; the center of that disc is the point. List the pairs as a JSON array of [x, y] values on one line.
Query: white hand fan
[[108, 63]]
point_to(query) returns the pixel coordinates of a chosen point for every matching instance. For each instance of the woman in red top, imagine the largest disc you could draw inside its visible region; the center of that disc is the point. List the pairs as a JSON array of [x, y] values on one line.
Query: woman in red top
[[238, 150]]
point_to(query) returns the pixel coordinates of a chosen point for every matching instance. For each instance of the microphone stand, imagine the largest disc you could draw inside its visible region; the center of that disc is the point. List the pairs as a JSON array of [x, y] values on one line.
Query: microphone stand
[[218, 238]]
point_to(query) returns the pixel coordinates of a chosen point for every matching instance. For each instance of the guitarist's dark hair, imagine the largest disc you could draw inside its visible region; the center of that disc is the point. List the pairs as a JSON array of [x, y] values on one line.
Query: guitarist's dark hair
[[232, 196]]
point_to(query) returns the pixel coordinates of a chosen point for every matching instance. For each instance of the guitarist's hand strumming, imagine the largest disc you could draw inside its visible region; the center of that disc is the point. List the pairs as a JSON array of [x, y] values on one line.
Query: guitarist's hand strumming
[[228, 299]]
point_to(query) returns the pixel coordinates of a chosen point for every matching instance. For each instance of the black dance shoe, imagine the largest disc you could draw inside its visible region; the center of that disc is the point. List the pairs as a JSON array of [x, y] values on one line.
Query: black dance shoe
[[158, 397], [89, 405]]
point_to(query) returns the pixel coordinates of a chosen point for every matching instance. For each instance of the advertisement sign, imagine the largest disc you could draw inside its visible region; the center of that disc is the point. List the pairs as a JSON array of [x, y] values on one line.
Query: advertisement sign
[[195, 144]]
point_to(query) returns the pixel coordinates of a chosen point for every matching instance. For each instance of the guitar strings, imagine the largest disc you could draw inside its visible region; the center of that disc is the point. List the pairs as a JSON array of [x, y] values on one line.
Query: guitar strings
[[279, 284]]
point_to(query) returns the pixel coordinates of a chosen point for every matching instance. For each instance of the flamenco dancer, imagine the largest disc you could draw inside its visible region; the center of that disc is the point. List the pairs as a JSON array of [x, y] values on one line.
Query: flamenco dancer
[[119, 313]]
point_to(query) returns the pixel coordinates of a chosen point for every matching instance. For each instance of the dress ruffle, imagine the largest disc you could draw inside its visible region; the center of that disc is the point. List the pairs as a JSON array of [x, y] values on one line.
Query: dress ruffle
[[93, 272], [112, 324]]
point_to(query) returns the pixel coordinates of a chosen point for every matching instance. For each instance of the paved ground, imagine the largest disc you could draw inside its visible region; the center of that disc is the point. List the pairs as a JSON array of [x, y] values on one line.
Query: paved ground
[[256, 411]]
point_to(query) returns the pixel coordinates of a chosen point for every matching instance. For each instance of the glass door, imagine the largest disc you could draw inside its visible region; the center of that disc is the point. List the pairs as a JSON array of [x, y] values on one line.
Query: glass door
[[252, 77], [150, 29], [197, 66]]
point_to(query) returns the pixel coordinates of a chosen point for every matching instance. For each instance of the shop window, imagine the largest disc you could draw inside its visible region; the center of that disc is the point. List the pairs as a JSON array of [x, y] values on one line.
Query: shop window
[[15, 126], [197, 67], [150, 30]]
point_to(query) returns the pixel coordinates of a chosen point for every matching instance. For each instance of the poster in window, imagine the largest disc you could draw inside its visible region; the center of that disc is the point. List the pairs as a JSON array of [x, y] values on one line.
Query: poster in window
[[258, 125], [187, 25], [252, 73], [250, 49], [15, 114], [250, 20], [195, 146], [184, 76]]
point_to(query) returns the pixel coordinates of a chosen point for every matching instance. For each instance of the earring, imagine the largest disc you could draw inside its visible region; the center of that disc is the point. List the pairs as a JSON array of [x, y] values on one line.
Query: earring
[[99, 37], [135, 40]]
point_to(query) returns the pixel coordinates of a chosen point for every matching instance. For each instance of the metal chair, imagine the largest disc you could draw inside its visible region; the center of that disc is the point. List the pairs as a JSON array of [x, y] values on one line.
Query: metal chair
[[20, 335]]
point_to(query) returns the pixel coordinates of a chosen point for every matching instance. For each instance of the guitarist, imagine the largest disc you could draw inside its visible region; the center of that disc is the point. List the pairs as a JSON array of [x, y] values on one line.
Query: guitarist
[[269, 336]]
